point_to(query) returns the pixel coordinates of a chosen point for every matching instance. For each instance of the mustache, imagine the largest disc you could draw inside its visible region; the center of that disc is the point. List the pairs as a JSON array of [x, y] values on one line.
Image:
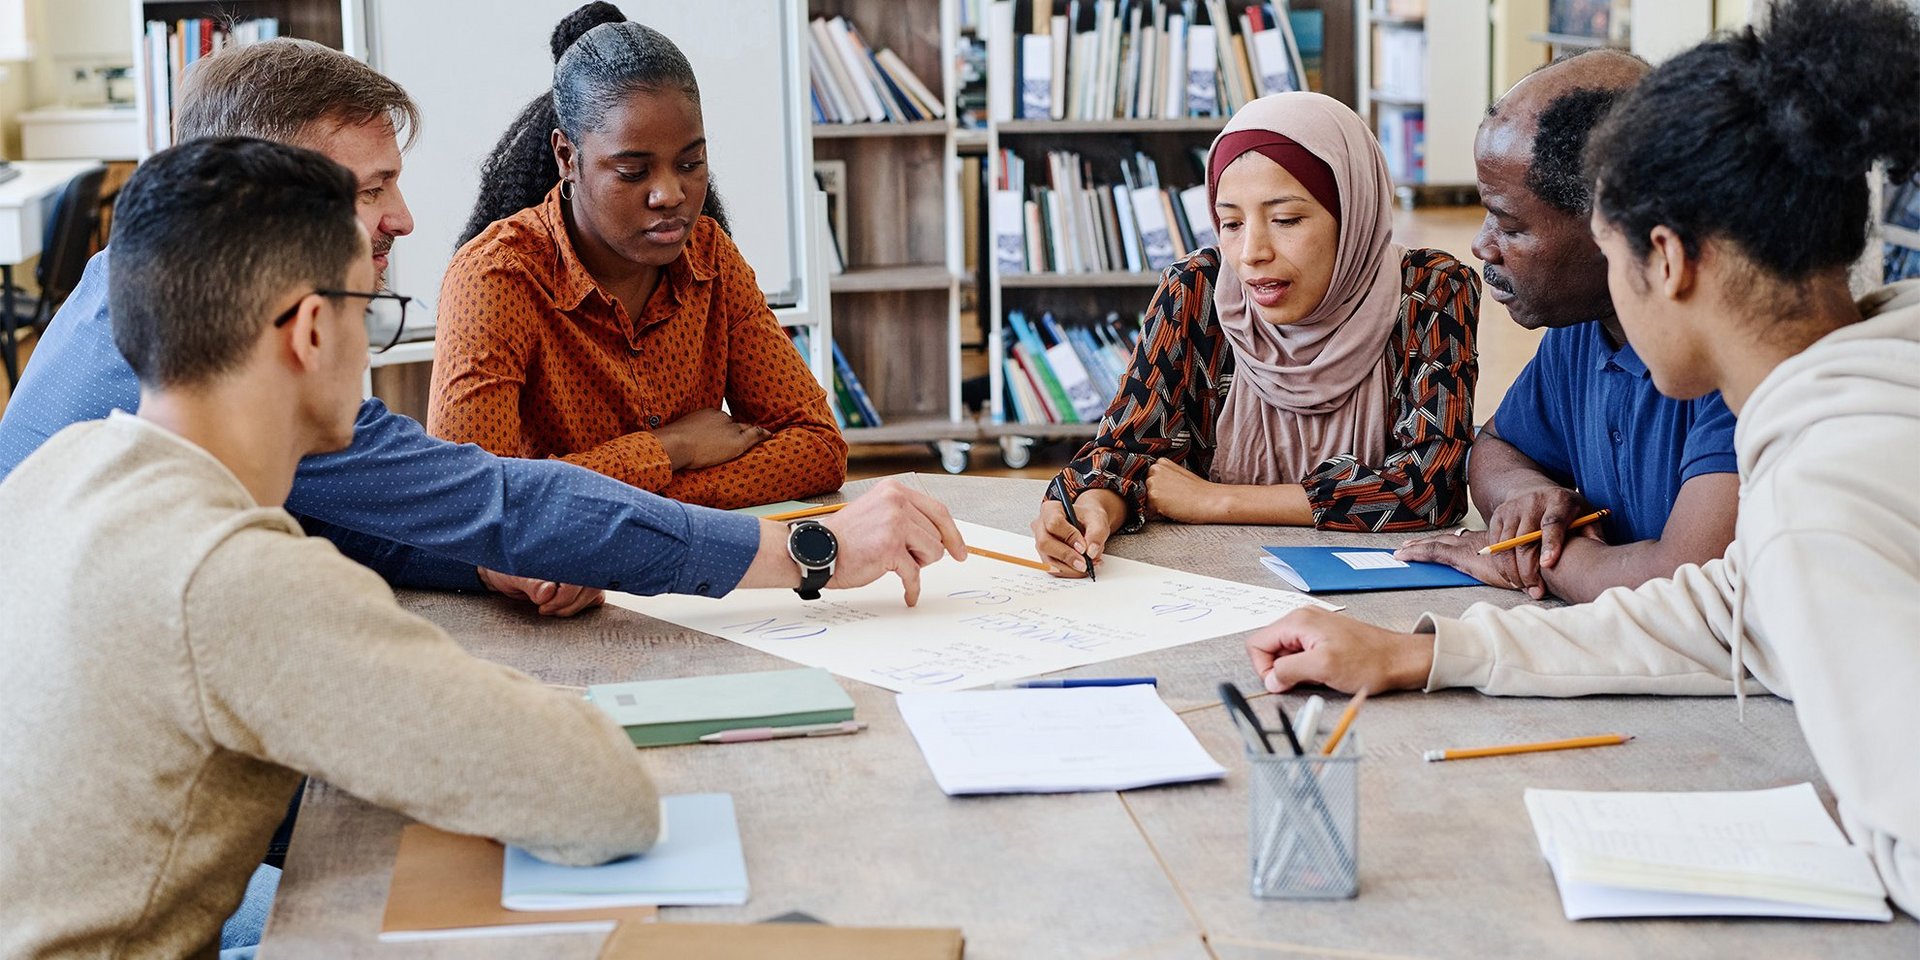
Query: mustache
[[382, 244], [1495, 278]]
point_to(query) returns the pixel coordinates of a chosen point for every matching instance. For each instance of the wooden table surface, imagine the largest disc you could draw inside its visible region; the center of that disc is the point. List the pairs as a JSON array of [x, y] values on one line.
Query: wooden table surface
[[854, 831]]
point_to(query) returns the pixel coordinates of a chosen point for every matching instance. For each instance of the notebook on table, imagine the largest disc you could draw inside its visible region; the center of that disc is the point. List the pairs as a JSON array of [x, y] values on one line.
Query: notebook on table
[[1757, 853], [698, 862], [447, 886], [1347, 569], [661, 712]]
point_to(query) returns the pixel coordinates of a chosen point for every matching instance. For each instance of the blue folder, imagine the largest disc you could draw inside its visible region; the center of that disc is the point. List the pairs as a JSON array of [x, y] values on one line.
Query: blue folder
[[1322, 570]]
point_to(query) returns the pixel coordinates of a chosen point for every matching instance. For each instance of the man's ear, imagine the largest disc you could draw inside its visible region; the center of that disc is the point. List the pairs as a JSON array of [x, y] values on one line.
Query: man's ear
[[302, 334], [1673, 271]]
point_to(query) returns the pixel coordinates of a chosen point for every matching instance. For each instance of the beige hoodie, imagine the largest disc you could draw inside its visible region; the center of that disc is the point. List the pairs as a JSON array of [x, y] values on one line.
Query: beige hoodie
[[1818, 595]]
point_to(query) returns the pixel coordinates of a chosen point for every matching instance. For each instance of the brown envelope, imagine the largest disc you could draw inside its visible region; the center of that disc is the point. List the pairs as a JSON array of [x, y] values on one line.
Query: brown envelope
[[446, 881], [788, 941]]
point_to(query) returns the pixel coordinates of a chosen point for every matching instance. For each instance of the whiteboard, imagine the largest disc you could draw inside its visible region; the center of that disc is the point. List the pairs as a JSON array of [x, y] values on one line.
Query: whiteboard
[[472, 64]]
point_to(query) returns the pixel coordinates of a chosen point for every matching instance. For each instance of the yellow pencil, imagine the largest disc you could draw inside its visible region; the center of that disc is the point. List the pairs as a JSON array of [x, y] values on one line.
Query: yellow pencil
[[803, 514], [1526, 538], [1605, 740], [1346, 720], [1004, 557]]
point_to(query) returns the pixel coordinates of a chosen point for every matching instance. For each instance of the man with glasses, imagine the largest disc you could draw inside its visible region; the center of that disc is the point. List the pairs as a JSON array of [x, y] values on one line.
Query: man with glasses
[[182, 654], [422, 512]]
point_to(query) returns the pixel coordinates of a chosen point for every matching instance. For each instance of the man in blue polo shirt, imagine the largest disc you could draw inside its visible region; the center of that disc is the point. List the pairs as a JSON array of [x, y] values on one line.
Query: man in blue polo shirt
[[1583, 427]]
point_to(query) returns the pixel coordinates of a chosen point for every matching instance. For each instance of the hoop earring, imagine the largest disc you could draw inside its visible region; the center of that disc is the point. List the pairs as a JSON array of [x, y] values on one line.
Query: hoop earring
[[566, 189]]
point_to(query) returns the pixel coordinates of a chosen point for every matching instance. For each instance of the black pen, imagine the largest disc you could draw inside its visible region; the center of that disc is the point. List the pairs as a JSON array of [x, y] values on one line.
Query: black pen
[[1066, 503], [1286, 726]]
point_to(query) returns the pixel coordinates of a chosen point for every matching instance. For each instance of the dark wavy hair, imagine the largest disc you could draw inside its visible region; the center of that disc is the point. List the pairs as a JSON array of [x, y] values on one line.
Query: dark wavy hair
[[594, 69], [1556, 174], [1763, 138]]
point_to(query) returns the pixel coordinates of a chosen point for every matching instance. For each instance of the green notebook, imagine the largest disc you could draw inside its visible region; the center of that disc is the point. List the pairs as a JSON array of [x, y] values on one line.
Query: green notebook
[[656, 713]]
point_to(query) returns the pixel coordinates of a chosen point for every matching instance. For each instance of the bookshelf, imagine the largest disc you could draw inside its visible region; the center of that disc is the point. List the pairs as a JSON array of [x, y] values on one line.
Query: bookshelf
[[330, 22], [896, 302], [1424, 72]]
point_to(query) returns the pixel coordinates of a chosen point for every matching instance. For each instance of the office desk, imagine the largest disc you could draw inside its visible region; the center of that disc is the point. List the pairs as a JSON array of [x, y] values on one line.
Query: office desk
[[853, 830], [26, 201]]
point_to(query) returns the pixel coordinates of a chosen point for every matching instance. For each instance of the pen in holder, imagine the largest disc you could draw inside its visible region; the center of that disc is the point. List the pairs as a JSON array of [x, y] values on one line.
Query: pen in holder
[[1304, 829]]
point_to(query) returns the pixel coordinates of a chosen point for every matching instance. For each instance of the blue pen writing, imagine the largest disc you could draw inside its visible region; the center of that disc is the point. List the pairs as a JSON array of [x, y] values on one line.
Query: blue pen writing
[[1079, 682]]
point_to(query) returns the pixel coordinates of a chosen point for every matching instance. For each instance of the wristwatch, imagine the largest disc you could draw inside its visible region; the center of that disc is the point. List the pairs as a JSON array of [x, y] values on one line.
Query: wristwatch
[[814, 548]]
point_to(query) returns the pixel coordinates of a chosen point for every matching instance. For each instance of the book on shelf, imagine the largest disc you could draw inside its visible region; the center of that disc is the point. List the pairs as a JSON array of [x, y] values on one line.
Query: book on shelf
[[1058, 371], [1136, 59], [1400, 62], [831, 177], [1402, 132], [174, 45], [851, 407], [851, 82], [1070, 220]]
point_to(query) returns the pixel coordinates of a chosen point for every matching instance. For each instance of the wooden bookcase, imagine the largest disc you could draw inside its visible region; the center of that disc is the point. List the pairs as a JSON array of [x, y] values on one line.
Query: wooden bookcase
[[896, 306], [1456, 82]]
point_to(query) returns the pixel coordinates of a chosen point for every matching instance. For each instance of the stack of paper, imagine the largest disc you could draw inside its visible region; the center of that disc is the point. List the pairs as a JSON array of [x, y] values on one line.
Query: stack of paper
[[1767, 853], [1054, 741], [697, 863], [660, 712]]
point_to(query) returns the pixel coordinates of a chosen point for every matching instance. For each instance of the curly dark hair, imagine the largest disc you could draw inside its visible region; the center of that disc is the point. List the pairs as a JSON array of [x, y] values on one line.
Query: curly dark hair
[[593, 70], [1555, 174], [1763, 138]]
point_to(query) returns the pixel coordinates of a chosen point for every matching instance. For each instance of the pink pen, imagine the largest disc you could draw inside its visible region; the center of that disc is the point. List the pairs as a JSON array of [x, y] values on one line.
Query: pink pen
[[747, 734]]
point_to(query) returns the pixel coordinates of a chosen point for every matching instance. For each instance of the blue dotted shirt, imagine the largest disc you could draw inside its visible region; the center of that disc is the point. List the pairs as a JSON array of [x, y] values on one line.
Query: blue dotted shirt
[[421, 511], [1590, 417]]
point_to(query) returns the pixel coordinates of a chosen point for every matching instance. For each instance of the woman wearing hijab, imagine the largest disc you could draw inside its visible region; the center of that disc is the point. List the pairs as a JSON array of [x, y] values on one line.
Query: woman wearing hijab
[[1307, 371], [607, 320]]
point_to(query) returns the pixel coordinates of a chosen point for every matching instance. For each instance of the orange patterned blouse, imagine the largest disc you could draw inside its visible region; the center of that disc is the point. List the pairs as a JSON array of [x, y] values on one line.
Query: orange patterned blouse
[[533, 359]]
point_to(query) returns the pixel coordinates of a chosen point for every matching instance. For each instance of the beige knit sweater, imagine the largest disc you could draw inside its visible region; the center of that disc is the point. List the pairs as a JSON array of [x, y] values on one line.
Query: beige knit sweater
[[176, 656]]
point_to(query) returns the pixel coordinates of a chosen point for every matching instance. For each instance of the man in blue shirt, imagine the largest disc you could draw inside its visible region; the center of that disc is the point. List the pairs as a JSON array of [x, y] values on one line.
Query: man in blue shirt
[[1583, 427], [420, 511]]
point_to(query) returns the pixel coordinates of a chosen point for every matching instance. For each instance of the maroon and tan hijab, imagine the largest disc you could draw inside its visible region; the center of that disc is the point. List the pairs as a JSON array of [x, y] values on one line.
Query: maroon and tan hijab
[[1310, 391]]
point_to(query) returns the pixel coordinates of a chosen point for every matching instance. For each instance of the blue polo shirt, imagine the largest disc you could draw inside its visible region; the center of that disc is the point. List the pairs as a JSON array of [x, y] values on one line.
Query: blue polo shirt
[[1589, 416]]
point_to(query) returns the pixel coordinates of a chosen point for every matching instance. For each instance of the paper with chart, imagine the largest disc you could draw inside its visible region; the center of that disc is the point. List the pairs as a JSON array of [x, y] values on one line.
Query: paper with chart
[[982, 621], [1054, 741]]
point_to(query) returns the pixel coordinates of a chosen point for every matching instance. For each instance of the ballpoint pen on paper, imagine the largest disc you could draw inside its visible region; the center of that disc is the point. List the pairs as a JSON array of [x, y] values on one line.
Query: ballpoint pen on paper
[[1604, 740], [748, 734], [1059, 489], [1072, 682]]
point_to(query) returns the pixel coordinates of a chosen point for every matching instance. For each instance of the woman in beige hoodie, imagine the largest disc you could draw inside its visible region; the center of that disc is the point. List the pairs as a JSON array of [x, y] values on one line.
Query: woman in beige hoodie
[[1731, 197]]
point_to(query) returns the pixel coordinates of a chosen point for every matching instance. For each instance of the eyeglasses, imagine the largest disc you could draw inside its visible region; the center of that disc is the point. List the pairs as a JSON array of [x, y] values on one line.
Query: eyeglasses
[[386, 315]]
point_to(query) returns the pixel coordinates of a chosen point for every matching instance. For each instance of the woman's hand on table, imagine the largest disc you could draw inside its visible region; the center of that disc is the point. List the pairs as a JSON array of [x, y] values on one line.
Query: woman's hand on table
[[1061, 546], [1325, 648]]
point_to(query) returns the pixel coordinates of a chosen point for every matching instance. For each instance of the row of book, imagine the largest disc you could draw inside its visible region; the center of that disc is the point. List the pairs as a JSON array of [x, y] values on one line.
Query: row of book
[[174, 45], [1069, 222], [851, 405], [852, 83], [1400, 62], [1902, 217], [1064, 371], [1135, 59], [1403, 139]]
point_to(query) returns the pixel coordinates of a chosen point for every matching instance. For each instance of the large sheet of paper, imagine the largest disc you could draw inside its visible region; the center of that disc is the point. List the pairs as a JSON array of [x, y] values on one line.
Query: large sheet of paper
[[982, 621], [1054, 741]]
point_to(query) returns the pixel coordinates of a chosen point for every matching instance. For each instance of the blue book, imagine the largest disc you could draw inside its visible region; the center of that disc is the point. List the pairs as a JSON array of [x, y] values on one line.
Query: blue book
[[1348, 569], [697, 862]]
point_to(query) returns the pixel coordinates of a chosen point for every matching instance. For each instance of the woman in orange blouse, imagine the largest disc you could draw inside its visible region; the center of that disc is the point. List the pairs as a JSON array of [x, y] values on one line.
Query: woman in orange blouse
[[1308, 371], [607, 322]]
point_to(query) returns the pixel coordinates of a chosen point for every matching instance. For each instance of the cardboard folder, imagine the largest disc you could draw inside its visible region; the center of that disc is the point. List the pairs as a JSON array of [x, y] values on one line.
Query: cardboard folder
[[446, 885], [788, 941]]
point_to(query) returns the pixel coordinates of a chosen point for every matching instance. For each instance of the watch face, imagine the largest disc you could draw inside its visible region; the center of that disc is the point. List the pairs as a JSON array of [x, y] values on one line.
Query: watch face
[[812, 545]]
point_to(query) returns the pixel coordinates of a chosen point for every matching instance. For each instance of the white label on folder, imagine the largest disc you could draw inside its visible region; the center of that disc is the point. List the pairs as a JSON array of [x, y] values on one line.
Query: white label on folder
[[1371, 561]]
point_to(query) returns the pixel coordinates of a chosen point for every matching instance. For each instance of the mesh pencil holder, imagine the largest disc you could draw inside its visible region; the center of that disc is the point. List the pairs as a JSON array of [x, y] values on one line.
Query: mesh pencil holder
[[1303, 835]]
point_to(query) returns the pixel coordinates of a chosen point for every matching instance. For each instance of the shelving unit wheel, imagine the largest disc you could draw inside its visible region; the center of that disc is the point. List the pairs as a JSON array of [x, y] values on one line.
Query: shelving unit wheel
[[1016, 452], [955, 455]]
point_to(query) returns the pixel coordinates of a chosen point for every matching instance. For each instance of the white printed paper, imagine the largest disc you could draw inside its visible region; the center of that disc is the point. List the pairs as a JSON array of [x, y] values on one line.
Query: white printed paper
[[983, 621], [1371, 560], [1054, 741]]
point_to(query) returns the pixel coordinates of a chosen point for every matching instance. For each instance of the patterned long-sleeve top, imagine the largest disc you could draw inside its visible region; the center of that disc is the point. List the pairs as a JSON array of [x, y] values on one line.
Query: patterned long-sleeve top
[[1169, 403]]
